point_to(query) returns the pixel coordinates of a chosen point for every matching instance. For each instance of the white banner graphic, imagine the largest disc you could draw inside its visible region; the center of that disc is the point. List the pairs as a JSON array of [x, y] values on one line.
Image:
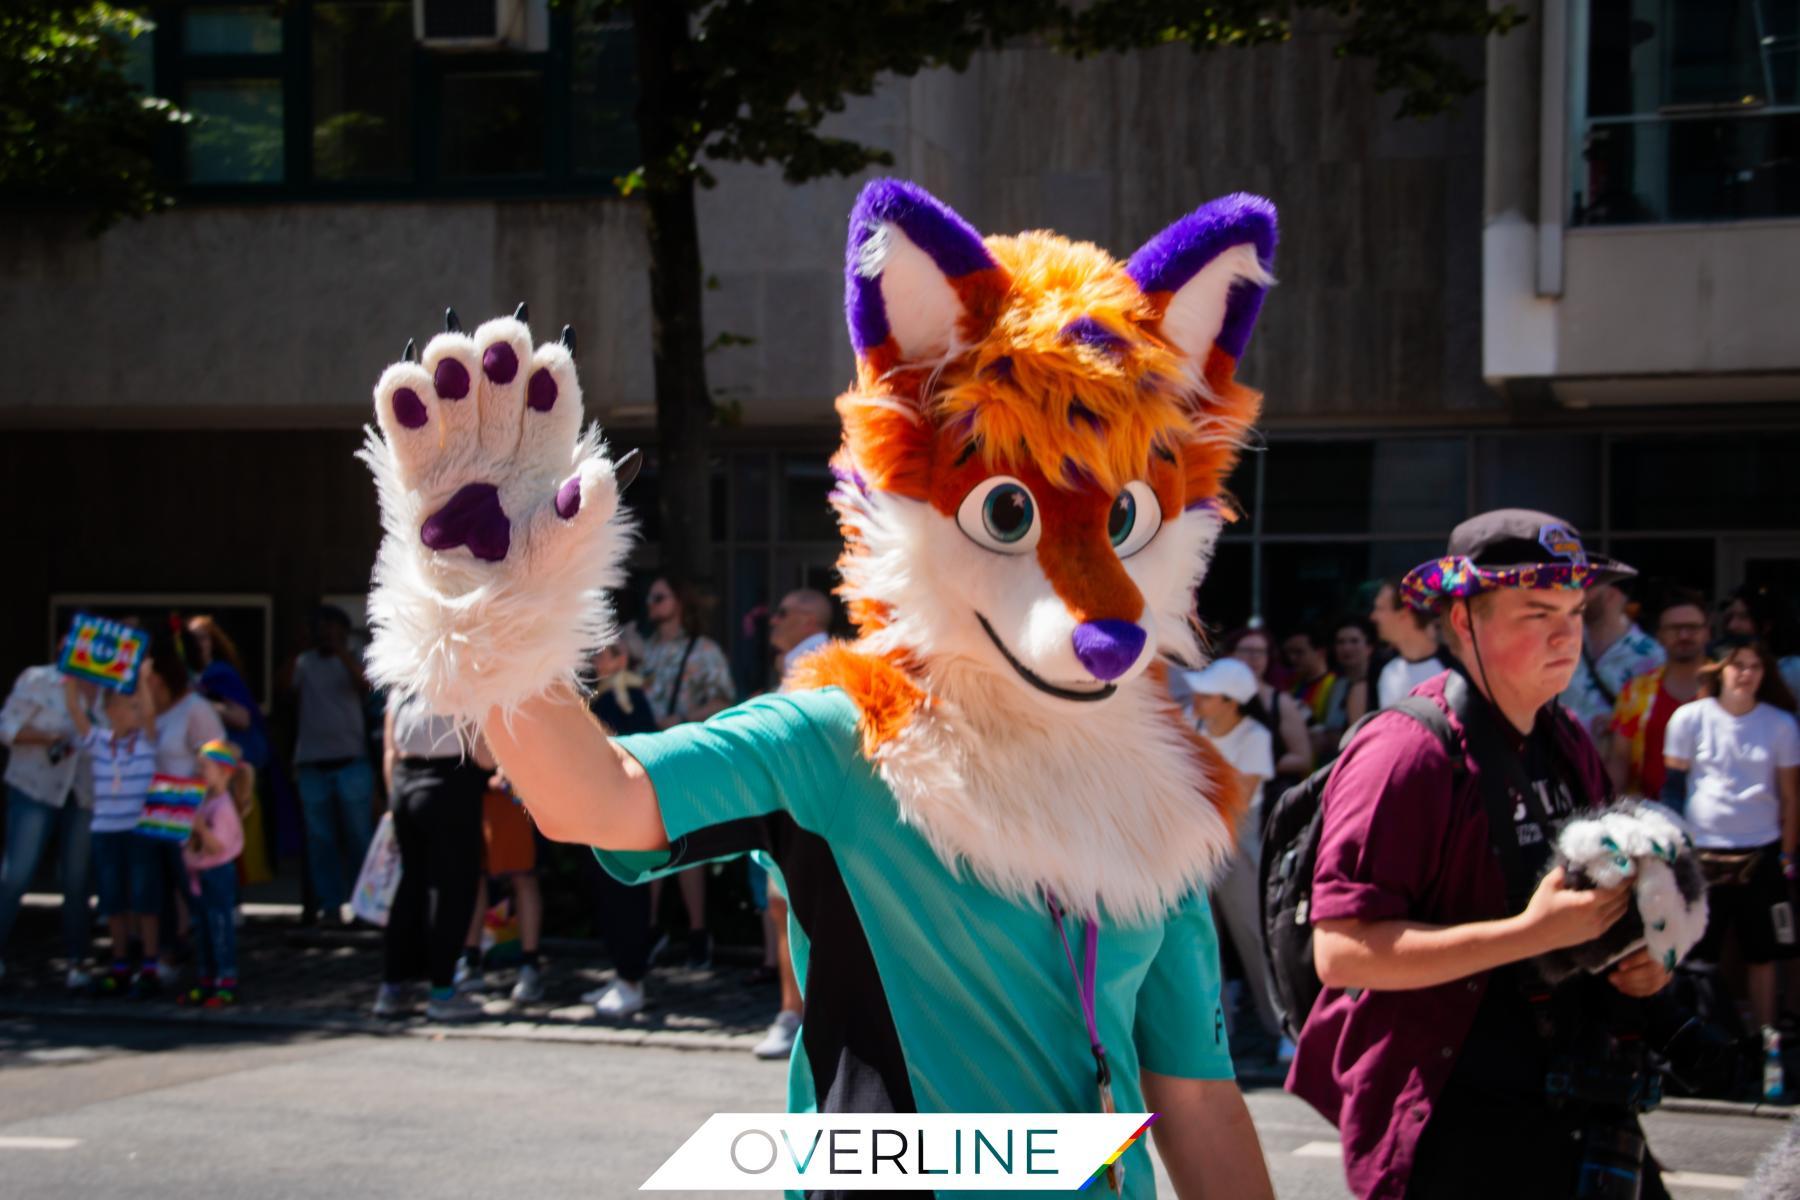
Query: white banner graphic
[[760, 1152]]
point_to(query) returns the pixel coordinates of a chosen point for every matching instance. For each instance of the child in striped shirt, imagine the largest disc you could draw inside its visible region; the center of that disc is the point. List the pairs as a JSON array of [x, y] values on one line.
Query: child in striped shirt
[[127, 868]]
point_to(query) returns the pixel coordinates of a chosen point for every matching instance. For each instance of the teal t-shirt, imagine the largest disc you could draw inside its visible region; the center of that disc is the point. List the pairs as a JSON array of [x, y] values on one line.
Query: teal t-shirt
[[982, 1013]]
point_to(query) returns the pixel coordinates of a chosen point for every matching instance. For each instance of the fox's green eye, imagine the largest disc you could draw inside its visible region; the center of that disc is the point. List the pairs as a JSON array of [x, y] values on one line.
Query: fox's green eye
[[1134, 519], [999, 514]]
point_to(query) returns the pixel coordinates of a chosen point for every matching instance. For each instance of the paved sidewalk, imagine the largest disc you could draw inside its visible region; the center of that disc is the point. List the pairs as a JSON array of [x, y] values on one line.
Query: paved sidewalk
[[298, 977]]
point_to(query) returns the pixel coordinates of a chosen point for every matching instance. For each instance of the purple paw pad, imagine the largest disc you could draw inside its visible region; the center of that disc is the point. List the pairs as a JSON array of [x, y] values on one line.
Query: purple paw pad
[[499, 363], [473, 518], [409, 410], [540, 392], [451, 379], [568, 497]]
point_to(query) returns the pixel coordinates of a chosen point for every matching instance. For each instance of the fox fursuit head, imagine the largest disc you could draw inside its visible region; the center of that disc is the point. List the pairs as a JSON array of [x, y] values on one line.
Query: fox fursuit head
[[1030, 489]]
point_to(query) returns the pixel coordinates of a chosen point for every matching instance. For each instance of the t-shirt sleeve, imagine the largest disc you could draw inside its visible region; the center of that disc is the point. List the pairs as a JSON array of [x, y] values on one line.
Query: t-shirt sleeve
[[717, 781], [1787, 741], [1180, 1028], [18, 710], [1680, 734], [1385, 812]]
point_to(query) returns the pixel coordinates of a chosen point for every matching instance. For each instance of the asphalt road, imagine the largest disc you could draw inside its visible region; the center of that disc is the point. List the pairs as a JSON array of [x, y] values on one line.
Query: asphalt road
[[157, 1111]]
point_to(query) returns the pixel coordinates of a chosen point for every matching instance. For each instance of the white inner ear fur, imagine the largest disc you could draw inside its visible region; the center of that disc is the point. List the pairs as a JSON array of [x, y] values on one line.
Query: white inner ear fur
[[1196, 312], [922, 307]]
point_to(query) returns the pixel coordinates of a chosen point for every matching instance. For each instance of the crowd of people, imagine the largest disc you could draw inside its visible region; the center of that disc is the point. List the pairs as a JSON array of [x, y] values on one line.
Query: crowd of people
[[82, 761], [1689, 702]]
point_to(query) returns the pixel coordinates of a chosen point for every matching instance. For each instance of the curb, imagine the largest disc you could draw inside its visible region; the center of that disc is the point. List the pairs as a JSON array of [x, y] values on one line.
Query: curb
[[288, 1019], [1729, 1108]]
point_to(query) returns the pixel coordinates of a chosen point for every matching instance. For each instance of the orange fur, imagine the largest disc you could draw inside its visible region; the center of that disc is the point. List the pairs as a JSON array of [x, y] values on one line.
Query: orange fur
[[885, 697]]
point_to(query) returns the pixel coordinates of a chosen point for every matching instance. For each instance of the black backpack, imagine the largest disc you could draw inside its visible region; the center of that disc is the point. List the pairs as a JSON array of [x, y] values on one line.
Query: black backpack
[[1290, 848]]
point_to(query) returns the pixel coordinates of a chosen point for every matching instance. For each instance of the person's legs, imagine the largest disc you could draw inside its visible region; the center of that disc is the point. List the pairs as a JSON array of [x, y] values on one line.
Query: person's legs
[[200, 934], [693, 894], [318, 811], [454, 870], [403, 941], [76, 832], [218, 899], [145, 892], [1761, 979], [354, 786], [528, 895], [623, 914], [27, 833], [784, 960], [1235, 899]]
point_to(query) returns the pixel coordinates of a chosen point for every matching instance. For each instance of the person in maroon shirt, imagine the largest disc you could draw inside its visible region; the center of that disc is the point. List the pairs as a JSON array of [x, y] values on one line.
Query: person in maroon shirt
[[1426, 1047]]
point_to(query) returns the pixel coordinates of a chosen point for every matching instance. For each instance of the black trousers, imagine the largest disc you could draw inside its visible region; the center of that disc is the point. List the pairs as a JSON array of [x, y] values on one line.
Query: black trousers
[[623, 913], [1475, 1149], [437, 821]]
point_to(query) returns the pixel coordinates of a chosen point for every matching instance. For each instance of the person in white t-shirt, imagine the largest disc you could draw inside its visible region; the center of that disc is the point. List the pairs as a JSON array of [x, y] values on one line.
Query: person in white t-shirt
[[1733, 760], [1414, 637], [1220, 693]]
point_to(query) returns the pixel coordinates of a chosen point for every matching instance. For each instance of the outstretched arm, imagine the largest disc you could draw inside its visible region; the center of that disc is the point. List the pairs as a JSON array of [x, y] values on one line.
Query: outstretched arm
[[579, 786], [1206, 1138]]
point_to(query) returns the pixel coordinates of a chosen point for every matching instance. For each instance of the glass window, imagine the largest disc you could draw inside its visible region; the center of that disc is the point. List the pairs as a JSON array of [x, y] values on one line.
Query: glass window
[[750, 496], [1723, 482], [806, 512], [1389, 485], [237, 133], [1223, 600], [231, 29], [604, 94], [1689, 111], [492, 124], [1558, 474], [362, 90], [1664, 562]]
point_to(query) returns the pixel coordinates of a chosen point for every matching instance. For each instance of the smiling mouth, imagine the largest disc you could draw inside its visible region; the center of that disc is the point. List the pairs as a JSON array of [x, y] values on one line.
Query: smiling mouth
[[1043, 685]]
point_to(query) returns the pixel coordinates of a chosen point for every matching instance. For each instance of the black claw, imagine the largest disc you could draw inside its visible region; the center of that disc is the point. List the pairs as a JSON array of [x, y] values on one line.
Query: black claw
[[568, 339], [626, 469], [452, 323], [520, 313], [412, 351]]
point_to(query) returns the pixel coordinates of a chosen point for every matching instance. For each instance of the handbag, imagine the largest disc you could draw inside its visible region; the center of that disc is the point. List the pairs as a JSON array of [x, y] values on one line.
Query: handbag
[[1729, 868], [380, 875]]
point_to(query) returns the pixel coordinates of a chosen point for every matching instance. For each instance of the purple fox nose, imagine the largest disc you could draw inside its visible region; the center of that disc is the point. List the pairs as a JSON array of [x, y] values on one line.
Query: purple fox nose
[[1108, 648]]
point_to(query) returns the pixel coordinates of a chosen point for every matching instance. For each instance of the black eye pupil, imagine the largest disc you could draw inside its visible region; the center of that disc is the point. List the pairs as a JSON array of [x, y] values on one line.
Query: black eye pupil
[[1007, 513]]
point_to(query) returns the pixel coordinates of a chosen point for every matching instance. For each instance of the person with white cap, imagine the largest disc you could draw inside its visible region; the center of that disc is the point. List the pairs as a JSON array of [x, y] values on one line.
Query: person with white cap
[[1220, 693]]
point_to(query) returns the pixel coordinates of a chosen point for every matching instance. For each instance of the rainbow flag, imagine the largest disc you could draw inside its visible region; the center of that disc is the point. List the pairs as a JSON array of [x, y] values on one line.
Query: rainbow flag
[[170, 807], [106, 652]]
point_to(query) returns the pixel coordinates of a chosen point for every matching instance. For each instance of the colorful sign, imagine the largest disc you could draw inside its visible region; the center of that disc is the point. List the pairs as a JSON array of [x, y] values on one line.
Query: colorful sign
[[105, 652], [170, 807]]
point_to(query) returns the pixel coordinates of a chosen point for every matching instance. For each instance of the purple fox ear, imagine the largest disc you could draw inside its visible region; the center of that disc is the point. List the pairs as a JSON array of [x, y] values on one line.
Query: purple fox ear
[[915, 274], [1207, 273]]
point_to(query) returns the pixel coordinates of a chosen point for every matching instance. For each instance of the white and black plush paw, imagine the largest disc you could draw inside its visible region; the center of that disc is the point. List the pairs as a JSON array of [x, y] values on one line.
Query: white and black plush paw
[[1645, 843], [501, 522]]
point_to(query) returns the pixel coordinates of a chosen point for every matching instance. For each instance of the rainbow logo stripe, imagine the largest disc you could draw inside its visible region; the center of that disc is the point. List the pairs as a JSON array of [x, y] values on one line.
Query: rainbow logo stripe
[[105, 652], [170, 807], [1114, 1157]]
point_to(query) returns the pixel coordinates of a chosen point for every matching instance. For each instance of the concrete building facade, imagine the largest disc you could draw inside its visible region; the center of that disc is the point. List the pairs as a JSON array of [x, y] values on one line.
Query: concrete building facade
[[185, 391]]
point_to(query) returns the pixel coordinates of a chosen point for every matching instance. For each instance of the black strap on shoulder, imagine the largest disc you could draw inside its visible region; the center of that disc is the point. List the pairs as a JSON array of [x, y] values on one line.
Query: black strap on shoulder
[[1489, 746]]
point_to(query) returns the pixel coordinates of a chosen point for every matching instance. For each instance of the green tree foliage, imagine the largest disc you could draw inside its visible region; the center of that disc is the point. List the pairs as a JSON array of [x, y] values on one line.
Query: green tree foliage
[[75, 132]]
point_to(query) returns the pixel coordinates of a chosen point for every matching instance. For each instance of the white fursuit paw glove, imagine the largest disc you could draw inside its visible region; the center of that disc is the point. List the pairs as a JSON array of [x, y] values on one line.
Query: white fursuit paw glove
[[501, 521], [1646, 843]]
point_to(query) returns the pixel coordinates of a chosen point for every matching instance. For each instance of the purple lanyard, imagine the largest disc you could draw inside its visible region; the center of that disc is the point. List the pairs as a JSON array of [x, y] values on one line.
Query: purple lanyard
[[1084, 990]]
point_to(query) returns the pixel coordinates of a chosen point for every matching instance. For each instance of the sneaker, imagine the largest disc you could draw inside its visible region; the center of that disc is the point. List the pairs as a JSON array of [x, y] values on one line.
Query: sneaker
[[700, 950], [658, 949], [108, 984], [468, 977], [779, 1041], [146, 985], [619, 999], [530, 988], [168, 973], [194, 997], [393, 1000], [457, 1008], [223, 997], [77, 979]]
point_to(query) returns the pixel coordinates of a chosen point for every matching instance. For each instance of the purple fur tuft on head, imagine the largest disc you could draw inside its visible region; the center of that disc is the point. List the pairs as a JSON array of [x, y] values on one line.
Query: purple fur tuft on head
[[1178, 253], [1086, 331], [928, 223]]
